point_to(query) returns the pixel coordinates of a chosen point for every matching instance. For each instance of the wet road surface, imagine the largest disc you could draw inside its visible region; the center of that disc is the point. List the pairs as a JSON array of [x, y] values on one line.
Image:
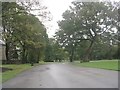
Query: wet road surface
[[61, 75]]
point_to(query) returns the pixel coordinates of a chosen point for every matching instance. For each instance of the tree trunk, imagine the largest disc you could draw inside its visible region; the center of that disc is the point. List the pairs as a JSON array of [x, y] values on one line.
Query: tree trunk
[[26, 57], [38, 57], [73, 47], [6, 52], [71, 57], [23, 54], [88, 51]]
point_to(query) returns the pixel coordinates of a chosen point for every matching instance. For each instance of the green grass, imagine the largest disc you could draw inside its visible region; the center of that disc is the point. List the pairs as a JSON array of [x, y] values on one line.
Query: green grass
[[16, 70], [102, 64]]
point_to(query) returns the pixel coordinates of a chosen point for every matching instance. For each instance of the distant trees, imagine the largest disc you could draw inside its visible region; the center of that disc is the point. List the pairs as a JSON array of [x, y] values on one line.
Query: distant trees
[[59, 53], [89, 31], [24, 35], [54, 52]]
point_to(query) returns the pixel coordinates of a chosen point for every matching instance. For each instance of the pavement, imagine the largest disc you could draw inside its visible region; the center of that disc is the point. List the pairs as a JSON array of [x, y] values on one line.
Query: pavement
[[64, 75]]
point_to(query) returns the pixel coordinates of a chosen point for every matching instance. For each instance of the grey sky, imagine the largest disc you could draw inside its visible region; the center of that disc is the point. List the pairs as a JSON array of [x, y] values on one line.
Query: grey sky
[[56, 7]]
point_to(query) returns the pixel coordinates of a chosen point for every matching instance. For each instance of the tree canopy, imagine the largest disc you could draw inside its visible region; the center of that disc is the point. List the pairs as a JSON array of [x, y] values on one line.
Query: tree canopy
[[23, 33], [86, 26]]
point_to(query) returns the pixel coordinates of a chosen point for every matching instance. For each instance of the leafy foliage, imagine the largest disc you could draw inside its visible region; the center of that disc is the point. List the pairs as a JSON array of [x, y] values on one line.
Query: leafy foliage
[[25, 36], [85, 27]]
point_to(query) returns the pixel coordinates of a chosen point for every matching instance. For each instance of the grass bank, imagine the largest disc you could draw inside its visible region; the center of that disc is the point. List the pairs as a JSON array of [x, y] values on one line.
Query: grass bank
[[16, 69], [102, 64]]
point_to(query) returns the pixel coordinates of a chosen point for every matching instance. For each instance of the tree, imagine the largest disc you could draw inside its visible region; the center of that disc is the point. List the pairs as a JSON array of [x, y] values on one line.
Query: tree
[[8, 10], [23, 31], [58, 53], [86, 21]]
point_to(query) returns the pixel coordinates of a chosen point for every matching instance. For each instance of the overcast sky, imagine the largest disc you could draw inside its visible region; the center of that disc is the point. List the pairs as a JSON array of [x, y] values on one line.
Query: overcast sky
[[56, 7]]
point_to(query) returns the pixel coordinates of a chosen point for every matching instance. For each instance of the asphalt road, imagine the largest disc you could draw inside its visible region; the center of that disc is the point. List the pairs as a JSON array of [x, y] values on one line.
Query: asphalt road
[[61, 75]]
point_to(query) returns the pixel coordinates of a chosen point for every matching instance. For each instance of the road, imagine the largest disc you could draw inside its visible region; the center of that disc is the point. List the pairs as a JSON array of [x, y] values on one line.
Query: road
[[63, 75]]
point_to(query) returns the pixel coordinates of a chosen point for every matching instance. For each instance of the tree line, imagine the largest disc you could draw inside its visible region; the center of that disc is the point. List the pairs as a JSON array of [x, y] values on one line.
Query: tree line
[[88, 31], [24, 34]]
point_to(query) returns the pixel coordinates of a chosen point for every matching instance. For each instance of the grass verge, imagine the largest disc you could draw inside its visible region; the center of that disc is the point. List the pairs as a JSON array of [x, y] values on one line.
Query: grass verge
[[102, 64], [17, 69]]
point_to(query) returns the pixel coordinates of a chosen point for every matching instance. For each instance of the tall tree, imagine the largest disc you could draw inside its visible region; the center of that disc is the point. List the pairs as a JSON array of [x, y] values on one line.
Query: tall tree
[[86, 21], [22, 31]]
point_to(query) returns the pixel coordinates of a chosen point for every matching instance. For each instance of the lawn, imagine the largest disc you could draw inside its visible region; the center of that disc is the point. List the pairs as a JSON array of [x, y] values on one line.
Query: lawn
[[102, 64], [16, 70]]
